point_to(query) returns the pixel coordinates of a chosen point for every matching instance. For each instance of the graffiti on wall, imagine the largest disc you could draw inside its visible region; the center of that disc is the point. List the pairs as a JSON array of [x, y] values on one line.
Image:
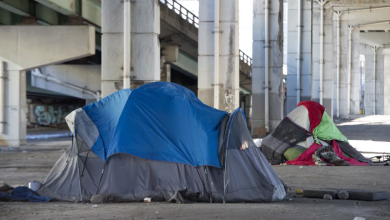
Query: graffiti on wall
[[50, 115]]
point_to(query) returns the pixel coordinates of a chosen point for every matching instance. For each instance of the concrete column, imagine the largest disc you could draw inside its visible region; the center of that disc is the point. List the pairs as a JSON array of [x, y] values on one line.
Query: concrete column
[[373, 85], [15, 107], [327, 84], [368, 88], [386, 81], [344, 69], [145, 49], [228, 70], [355, 74], [112, 46], [379, 82], [291, 101], [276, 96]]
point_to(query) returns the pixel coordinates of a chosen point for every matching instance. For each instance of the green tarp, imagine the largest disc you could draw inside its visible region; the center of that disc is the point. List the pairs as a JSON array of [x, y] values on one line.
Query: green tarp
[[327, 130]]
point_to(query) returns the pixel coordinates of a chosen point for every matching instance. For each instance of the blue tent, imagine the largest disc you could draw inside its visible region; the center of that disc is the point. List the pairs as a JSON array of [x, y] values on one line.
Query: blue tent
[[160, 141], [158, 121]]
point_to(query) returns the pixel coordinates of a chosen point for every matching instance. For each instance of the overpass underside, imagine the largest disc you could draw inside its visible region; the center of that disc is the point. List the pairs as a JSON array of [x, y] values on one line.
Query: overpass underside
[[337, 54]]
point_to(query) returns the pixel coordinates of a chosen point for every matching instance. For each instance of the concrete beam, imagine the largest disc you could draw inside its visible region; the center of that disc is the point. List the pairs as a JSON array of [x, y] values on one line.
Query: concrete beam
[[84, 76], [376, 14], [88, 9], [31, 47], [13, 9]]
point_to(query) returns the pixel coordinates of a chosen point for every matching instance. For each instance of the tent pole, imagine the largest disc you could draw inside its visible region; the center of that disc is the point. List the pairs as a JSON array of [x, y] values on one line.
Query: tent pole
[[82, 173], [78, 170], [101, 177]]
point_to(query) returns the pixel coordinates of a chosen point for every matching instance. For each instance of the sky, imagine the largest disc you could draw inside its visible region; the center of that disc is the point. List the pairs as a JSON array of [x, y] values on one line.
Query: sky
[[245, 23]]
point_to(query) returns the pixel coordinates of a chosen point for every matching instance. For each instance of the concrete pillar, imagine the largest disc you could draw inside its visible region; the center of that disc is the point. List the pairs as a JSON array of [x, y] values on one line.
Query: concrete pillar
[[344, 69], [386, 81], [291, 102], [327, 84], [228, 70], [355, 74], [15, 107], [376, 101], [368, 87], [145, 49], [276, 95], [379, 82]]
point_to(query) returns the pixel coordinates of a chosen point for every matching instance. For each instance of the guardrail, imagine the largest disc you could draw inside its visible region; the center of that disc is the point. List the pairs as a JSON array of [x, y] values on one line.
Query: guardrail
[[183, 12], [194, 20], [245, 58]]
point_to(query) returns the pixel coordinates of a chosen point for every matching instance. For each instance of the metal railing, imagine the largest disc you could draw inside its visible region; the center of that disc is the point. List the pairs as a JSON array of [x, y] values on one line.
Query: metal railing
[[245, 58], [183, 12], [194, 20]]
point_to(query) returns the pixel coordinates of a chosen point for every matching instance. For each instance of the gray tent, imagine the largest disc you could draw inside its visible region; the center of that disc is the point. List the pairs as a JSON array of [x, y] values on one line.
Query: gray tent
[[244, 176]]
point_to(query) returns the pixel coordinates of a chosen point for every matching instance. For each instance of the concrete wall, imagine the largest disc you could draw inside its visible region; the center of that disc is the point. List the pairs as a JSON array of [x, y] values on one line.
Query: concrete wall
[[306, 40], [276, 89], [52, 115]]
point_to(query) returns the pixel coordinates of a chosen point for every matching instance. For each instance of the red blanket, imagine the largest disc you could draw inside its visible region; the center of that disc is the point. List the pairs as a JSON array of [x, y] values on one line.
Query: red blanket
[[315, 110], [306, 157]]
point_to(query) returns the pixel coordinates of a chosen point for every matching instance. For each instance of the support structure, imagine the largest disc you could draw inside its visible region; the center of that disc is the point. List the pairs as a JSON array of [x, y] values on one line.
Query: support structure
[[299, 53], [267, 80], [130, 54], [218, 61], [322, 61], [27, 47], [338, 45], [267, 46], [374, 81], [2, 97], [350, 30], [299, 58], [126, 43], [216, 53], [322, 56]]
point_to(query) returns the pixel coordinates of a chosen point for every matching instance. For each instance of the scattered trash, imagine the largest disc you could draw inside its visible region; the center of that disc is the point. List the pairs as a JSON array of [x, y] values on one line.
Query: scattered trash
[[299, 191], [157, 212], [359, 218], [34, 185], [300, 167], [289, 199], [147, 200], [327, 197], [95, 206], [342, 194]]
